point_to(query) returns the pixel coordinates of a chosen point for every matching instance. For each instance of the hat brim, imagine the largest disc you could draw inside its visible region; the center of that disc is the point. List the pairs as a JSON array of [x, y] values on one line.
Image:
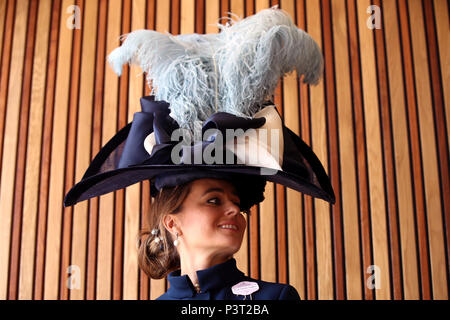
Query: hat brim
[[118, 179]]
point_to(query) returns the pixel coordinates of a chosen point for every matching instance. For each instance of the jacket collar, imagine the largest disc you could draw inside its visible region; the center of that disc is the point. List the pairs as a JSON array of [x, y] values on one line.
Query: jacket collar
[[217, 277]]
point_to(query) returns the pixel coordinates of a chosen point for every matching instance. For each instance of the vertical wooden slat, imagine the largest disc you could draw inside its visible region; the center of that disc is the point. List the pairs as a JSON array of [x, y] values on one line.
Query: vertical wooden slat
[[118, 244], [280, 202], [389, 173], [441, 16], [363, 192], [84, 138], [309, 215], [334, 151], [98, 93], [157, 287], [162, 16], [254, 243], [374, 154], [3, 9], [263, 4], [109, 128], [429, 152], [144, 280], [267, 213], [319, 142], [237, 7], [294, 268], [267, 234], [294, 203], [56, 184], [439, 119], [187, 16], [224, 8], [173, 15], [351, 244], [10, 144], [211, 16], [253, 218], [5, 70], [249, 7], [19, 181], [280, 209], [120, 194], [44, 177], [304, 133], [415, 152], [70, 154], [308, 223], [132, 198], [33, 156], [322, 237], [199, 16], [402, 163], [309, 257], [281, 218]]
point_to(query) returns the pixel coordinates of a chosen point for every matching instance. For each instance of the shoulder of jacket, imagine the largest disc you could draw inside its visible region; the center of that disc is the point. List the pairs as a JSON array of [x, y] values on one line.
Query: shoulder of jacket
[[164, 296]]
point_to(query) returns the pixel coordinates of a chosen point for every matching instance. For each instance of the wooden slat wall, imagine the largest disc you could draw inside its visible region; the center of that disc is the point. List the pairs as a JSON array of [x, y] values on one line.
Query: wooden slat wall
[[379, 121]]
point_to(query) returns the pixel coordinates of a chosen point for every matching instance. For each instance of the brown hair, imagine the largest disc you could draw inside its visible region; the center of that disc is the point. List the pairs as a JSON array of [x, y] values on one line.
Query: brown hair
[[159, 258]]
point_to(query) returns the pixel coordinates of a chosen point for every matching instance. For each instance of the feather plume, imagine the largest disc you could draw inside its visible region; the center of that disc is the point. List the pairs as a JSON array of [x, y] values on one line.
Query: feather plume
[[234, 71]]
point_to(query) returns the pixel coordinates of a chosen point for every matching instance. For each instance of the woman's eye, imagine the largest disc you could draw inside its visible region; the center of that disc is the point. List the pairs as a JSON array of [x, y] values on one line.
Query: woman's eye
[[216, 200]]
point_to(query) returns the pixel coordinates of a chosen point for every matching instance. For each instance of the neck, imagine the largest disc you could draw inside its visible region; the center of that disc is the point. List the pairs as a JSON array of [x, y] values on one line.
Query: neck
[[191, 263]]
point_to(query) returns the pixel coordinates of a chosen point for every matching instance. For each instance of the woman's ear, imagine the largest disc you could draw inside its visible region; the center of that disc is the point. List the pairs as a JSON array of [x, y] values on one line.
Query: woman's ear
[[171, 225]]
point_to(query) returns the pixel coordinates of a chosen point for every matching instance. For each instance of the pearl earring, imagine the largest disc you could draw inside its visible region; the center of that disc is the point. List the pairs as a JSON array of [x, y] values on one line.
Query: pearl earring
[[176, 242]]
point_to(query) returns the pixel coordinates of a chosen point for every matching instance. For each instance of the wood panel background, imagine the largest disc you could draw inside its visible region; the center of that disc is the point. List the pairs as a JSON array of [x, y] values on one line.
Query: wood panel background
[[379, 121]]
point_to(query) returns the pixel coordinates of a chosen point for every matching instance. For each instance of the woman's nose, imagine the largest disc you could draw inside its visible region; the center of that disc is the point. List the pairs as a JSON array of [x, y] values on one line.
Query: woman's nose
[[232, 208]]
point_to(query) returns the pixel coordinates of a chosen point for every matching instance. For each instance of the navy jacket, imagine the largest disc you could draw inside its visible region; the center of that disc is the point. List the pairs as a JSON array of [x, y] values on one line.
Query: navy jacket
[[216, 282]]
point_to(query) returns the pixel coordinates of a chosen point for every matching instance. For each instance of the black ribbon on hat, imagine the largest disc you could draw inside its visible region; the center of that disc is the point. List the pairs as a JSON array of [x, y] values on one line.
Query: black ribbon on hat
[[155, 118]]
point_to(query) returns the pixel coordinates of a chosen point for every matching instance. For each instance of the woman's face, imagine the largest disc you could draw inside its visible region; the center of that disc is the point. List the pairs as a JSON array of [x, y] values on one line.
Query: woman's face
[[210, 219]]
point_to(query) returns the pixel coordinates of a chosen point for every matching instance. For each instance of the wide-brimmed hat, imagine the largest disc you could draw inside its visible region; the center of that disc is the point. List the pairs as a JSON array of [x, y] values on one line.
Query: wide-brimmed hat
[[210, 114], [145, 150]]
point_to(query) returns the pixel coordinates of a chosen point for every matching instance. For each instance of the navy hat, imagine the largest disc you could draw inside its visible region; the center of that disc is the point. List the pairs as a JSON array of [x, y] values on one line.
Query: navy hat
[[124, 160]]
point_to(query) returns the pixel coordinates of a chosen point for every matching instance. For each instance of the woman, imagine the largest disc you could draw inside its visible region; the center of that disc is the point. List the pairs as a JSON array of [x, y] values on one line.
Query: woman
[[197, 227], [203, 83]]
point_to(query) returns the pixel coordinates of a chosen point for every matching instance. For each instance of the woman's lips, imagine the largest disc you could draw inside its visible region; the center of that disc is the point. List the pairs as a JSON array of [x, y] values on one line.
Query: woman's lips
[[228, 225]]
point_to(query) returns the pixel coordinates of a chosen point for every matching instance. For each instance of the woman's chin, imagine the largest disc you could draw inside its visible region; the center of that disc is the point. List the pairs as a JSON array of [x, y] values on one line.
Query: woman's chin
[[231, 246]]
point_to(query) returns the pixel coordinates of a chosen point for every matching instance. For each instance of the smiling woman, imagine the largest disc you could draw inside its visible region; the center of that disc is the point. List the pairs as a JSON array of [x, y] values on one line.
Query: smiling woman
[[195, 222], [196, 228]]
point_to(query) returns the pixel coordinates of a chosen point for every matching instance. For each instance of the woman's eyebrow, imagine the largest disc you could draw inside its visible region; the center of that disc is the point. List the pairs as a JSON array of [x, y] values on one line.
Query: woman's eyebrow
[[217, 189]]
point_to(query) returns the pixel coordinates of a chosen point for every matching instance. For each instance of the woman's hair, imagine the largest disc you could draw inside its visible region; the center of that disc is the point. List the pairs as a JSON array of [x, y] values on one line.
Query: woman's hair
[[159, 257]]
